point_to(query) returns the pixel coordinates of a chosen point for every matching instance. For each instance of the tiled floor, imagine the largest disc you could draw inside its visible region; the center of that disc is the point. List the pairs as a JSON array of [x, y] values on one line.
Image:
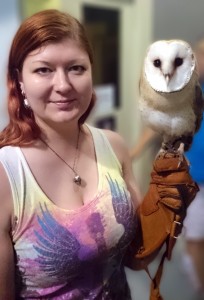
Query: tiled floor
[[174, 285]]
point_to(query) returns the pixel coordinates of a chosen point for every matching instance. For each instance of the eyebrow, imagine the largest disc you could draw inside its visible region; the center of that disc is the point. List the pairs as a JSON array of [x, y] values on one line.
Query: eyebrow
[[73, 61], [41, 61]]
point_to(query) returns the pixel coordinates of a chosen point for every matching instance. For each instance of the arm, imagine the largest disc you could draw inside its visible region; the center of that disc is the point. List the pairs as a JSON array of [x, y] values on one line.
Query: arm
[[146, 137], [6, 248], [196, 252]]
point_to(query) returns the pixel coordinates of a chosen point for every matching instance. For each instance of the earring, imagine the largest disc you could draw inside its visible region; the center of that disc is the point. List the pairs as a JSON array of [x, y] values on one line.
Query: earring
[[25, 100], [25, 103]]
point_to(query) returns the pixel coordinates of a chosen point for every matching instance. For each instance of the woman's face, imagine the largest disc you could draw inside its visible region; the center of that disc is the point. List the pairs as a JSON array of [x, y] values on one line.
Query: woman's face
[[57, 82]]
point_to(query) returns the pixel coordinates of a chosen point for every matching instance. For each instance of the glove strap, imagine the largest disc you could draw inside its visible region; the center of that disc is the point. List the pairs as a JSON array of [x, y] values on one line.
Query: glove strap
[[154, 291], [175, 231], [174, 234]]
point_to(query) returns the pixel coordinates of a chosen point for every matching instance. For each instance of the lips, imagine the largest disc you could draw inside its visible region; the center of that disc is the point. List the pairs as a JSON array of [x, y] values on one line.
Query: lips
[[64, 104], [63, 101]]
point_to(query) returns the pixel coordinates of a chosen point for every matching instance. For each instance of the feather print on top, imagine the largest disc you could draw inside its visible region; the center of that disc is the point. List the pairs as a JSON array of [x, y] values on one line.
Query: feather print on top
[[57, 248]]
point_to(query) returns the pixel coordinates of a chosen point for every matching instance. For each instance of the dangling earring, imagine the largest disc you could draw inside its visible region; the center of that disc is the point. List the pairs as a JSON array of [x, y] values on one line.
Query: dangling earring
[[25, 100], [26, 104]]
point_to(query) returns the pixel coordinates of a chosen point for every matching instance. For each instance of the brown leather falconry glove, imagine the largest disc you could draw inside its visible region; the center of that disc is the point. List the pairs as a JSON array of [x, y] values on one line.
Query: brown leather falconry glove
[[161, 214]]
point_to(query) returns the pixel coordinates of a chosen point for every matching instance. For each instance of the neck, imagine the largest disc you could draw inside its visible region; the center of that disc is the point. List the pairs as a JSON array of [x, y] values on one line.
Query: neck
[[75, 154], [61, 138], [59, 132]]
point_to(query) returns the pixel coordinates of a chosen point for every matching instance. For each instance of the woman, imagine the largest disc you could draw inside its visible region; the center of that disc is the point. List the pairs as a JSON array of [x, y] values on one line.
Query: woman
[[67, 191]]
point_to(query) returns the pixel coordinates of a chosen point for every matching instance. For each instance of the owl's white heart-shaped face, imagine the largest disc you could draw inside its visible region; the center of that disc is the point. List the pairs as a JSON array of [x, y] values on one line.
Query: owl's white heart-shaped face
[[169, 65]]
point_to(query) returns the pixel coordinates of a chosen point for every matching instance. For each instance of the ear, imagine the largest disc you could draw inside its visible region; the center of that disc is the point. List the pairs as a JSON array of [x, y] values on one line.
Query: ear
[[20, 81]]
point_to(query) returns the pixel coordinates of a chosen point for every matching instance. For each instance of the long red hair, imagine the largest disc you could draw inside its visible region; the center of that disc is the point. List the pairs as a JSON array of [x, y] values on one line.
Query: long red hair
[[48, 26]]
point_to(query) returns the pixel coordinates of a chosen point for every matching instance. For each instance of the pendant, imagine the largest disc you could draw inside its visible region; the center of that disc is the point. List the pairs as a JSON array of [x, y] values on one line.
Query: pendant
[[77, 179]]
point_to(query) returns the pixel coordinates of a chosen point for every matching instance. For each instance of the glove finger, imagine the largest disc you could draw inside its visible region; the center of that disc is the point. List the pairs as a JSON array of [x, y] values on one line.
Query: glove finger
[[171, 178], [165, 191], [170, 196]]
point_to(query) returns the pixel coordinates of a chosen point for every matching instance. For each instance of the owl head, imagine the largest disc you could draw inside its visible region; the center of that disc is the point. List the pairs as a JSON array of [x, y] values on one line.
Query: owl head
[[169, 65]]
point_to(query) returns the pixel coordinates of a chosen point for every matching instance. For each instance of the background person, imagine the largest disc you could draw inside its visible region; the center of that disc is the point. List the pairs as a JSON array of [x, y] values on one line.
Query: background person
[[194, 222]]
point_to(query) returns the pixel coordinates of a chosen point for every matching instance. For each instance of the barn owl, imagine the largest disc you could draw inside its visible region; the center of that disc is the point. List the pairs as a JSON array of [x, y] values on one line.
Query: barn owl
[[171, 100]]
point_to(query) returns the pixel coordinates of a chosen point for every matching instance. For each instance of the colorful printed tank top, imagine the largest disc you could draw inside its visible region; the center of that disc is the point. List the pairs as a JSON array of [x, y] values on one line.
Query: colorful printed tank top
[[71, 254]]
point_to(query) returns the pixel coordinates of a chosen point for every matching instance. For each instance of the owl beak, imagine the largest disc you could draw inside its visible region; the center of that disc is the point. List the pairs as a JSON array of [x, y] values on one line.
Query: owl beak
[[167, 78]]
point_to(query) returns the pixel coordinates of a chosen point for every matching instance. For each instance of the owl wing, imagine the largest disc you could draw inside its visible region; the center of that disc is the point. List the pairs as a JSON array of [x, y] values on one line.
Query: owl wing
[[198, 106], [57, 248]]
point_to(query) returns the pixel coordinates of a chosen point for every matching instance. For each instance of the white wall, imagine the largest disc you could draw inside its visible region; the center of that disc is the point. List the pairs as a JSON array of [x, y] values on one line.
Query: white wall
[[178, 19], [9, 21]]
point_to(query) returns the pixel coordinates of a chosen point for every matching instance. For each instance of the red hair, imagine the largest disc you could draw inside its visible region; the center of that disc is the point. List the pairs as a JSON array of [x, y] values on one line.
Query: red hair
[[48, 26]]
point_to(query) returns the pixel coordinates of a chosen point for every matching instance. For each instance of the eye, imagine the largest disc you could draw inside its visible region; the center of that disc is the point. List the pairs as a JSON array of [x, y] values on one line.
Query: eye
[[178, 61], [77, 69], [43, 70], [157, 63]]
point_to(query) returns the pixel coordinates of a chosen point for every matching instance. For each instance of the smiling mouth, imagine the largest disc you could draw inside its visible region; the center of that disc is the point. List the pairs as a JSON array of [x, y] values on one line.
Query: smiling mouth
[[63, 101]]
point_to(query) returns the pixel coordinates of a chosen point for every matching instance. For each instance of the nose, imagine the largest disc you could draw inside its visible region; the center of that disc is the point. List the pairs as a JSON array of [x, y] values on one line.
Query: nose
[[61, 81]]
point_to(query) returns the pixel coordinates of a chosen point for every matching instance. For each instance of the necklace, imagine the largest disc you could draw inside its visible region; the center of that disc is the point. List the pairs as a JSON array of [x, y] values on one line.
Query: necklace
[[77, 179]]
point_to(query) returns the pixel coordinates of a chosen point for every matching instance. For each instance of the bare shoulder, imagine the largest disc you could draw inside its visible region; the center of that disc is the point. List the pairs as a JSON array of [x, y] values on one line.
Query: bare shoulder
[[113, 136], [6, 202], [121, 150], [118, 144]]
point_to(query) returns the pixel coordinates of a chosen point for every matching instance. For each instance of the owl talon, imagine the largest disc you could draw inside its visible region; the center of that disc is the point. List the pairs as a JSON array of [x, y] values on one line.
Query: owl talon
[[168, 148], [180, 151]]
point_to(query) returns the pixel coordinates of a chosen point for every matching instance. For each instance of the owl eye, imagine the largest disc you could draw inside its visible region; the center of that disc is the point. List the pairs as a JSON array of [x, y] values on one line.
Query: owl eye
[[178, 62], [157, 63]]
